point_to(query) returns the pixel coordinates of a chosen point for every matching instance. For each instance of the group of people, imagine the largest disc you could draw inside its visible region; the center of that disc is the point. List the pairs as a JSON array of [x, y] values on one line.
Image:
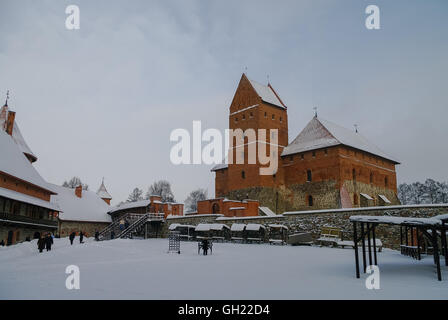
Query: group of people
[[72, 237], [45, 242]]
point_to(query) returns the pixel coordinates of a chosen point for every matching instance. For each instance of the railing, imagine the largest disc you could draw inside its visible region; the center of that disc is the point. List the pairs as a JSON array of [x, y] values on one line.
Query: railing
[[15, 218]]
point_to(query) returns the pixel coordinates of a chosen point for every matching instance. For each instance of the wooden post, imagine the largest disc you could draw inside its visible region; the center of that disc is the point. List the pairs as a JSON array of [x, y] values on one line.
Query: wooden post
[[419, 256], [355, 241], [368, 244], [374, 244], [436, 253], [363, 243]]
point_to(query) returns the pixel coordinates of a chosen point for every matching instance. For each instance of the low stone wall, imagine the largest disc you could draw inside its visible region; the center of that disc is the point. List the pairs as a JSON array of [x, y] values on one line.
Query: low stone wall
[[313, 221]]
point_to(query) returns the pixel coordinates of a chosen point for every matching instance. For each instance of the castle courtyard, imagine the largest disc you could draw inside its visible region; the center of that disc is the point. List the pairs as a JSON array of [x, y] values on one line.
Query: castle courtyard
[[142, 269]]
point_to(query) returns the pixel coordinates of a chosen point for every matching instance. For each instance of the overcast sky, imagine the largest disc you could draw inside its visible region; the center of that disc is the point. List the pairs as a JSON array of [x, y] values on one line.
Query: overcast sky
[[102, 100]]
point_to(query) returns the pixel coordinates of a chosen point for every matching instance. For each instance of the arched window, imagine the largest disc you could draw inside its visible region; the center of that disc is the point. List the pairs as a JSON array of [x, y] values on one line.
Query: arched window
[[309, 176], [310, 201], [243, 174], [215, 208]]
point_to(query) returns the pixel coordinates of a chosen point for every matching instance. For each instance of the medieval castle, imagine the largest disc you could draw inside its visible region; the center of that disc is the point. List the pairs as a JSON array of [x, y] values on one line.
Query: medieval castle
[[326, 166]]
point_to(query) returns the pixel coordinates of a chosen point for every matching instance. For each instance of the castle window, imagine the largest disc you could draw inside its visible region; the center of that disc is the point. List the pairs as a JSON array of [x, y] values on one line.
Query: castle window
[[244, 116], [386, 182], [310, 201], [371, 177], [326, 151], [251, 115], [273, 117], [265, 114], [281, 120], [354, 174], [302, 156], [243, 174], [314, 154], [309, 176], [236, 119]]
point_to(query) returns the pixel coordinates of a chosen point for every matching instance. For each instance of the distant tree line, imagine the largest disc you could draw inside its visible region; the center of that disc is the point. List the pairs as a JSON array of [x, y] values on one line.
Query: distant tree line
[[74, 182], [160, 188], [430, 191]]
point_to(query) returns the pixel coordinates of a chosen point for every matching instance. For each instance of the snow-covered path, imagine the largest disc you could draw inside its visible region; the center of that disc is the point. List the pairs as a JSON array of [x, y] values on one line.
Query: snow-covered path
[[142, 269]]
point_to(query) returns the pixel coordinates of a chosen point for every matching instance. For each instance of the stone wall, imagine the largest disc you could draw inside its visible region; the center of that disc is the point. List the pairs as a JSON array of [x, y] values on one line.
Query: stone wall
[[88, 228], [313, 221]]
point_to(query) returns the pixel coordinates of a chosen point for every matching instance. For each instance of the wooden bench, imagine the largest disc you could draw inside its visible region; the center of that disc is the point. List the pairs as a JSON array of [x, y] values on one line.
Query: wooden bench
[[330, 235]]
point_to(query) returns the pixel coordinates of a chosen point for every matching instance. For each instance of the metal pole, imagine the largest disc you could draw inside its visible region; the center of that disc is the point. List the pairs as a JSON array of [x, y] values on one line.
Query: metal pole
[[355, 241], [374, 244], [363, 247], [444, 244], [368, 243], [419, 257]]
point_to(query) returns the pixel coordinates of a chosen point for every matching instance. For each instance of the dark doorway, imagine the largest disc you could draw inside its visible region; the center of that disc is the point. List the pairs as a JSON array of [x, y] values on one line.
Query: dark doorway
[[10, 236], [215, 208]]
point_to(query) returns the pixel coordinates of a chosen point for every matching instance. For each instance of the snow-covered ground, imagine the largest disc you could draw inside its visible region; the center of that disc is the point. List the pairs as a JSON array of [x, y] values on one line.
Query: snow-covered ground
[[142, 269]]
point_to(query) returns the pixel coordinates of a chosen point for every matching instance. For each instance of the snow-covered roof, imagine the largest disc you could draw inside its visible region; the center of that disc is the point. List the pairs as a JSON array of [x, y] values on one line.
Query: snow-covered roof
[[254, 227], [130, 205], [16, 134], [203, 227], [396, 220], [320, 133], [267, 212], [102, 192], [218, 226], [278, 226], [237, 208], [266, 93], [90, 207], [384, 198], [173, 226], [220, 166], [15, 163], [237, 227], [365, 195], [10, 194]]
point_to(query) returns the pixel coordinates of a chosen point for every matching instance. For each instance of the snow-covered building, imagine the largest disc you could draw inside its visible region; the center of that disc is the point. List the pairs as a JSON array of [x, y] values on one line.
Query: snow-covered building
[[152, 205], [326, 166], [25, 207], [82, 210]]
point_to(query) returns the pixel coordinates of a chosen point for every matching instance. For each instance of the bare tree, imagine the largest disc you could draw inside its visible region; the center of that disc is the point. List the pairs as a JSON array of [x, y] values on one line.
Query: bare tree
[[161, 188], [74, 182], [135, 195], [191, 203]]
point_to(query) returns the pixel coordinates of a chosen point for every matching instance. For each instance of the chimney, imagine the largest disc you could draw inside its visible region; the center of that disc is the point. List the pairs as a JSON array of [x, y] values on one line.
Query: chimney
[[10, 122], [78, 191]]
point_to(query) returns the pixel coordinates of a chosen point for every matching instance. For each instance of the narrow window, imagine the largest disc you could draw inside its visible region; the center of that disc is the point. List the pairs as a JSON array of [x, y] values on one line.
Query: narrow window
[[309, 176], [265, 114], [251, 115], [386, 182], [371, 177], [354, 174], [236, 119], [243, 174], [310, 201], [281, 120], [244, 116], [314, 154], [302, 156], [273, 117], [325, 151]]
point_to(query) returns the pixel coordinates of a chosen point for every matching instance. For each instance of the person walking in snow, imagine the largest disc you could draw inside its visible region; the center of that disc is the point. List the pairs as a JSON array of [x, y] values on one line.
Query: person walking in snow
[[72, 237], [81, 236], [48, 242], [122, 225], [97, 235], [41, 243], [2, 243], [112, 234]]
